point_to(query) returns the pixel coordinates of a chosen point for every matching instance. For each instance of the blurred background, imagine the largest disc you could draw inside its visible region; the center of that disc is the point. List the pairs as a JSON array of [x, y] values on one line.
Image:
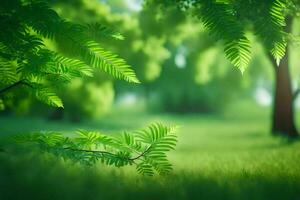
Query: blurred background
[[225, 117], [182, 69]]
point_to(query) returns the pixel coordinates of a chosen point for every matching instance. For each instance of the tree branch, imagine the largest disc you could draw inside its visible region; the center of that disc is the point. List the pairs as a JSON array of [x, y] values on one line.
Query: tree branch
[[20, 82], [111, 154], [91, 151], [142, 154]]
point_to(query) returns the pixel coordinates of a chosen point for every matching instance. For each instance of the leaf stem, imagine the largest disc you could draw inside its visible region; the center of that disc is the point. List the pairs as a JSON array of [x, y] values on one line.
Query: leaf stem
[[142, 154], [20, 82], [111, 154]]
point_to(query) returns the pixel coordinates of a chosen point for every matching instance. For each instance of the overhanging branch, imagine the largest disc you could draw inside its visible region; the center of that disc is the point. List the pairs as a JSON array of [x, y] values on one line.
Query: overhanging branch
[[108, 153], [16, 84]]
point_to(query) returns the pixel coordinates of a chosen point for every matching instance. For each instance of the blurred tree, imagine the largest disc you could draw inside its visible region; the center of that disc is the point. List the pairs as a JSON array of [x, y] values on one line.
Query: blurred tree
[[203, 81], [271, 21], [156, 41], [153, 37], [159, 41], [98, 96]]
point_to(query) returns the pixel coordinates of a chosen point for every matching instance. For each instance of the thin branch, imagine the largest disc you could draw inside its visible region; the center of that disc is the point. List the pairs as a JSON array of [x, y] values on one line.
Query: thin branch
[[91, 151], [20, 82], [111, 154], [142, 154]]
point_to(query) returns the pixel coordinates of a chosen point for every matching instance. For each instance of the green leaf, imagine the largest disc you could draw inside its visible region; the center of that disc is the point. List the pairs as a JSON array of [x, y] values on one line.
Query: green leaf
[[8, 73], [269, 28], [110, 63], [278, 50], [277, 12], [219, 19], [87, 148], [74, 67], [238, 53], [154, 132], [98, 31], [49, 97], [145, 169], [278, 18]]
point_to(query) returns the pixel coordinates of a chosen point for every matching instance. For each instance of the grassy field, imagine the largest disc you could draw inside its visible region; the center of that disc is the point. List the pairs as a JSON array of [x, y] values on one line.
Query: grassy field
[[231, 157]]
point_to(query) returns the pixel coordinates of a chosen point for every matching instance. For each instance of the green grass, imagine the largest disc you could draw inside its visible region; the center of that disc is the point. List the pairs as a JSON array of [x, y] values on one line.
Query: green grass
[[232, 156]]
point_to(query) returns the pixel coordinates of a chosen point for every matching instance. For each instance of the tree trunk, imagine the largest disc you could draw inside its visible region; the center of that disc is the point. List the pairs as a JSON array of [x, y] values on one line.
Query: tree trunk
[[283, 111]]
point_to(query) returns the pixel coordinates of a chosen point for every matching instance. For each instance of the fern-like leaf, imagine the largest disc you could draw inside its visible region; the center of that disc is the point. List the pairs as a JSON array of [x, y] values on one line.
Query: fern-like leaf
[[145, 169], [146, 149], [219, 19], [110, 63], [98, 31], [269, 28], [47, 96], [238, 52], [8, 73], [74, 67]]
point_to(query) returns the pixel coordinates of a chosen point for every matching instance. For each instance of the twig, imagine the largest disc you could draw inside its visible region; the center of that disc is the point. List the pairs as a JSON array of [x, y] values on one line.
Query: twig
[[142, 154], [91, 151], [108, 153], [20, 82]]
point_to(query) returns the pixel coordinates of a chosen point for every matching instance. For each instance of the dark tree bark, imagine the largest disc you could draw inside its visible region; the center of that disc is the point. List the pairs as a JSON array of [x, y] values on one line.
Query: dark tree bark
[[283, 110]]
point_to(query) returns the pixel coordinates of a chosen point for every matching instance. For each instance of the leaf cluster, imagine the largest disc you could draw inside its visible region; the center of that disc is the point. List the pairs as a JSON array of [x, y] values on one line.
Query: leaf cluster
[[26, 61], [146, 149], [230, 20]]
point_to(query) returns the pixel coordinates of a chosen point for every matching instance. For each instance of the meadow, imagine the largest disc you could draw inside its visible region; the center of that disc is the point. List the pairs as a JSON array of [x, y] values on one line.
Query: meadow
[[230, 156]]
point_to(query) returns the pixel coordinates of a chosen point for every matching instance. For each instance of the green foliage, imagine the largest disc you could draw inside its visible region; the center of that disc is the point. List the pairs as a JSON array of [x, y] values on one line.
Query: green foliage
[[47, 96], [7, 71], [108, 62], [26, 60], [146, 149], [229, 21], [270, 25], [97, 30], [96, 92], [220, 21]]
